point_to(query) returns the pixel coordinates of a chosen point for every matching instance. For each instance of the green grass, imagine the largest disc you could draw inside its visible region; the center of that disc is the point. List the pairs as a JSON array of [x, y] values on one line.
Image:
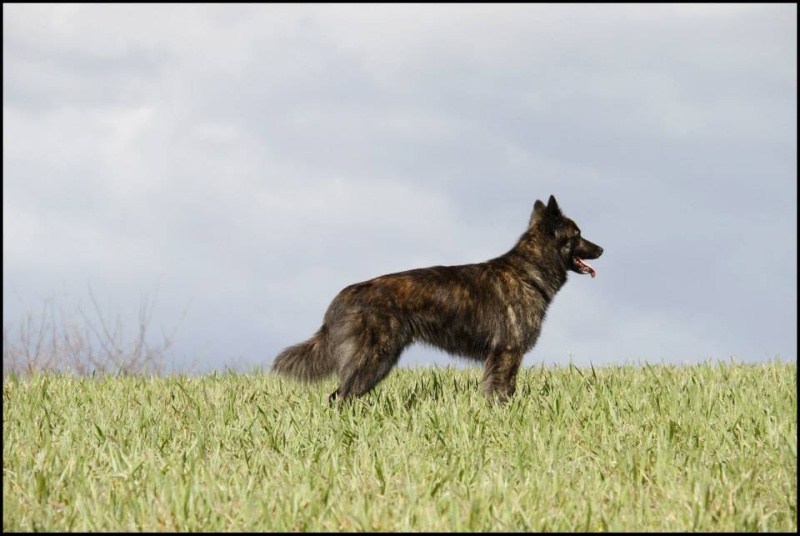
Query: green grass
[[711, 447]]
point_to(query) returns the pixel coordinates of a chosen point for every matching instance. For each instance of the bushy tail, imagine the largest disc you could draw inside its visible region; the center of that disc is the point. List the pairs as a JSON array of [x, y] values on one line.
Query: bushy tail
[[307, 361]]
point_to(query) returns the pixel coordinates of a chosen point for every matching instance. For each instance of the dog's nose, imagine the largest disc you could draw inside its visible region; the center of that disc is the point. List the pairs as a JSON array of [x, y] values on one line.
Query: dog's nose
[[601, 251]]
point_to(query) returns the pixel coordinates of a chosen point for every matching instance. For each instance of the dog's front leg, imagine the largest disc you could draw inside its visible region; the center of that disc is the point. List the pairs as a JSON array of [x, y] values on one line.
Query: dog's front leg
[[500, 374]]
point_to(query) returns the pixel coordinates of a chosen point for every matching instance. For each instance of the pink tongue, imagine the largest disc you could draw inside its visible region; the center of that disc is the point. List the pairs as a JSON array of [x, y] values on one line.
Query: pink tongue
[[586, 265]]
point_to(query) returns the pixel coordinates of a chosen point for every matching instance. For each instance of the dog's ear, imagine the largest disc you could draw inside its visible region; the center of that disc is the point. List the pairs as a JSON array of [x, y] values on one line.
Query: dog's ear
[[552, 206], [537, 214], [542, 212]]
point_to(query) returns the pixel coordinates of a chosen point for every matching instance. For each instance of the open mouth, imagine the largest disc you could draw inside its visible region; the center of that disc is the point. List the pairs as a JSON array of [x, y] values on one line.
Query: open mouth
[[582, 267]]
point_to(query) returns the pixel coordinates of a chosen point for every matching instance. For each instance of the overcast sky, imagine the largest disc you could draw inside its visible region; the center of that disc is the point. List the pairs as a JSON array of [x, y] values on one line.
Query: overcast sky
[[239, 165]]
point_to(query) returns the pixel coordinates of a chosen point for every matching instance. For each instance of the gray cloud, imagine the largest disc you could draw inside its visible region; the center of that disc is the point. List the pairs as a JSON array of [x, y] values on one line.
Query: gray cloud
[[250, 161]]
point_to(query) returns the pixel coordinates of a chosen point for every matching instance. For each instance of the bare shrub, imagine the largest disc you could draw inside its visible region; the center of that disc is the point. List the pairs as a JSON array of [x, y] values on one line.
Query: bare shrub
[[50, 342]]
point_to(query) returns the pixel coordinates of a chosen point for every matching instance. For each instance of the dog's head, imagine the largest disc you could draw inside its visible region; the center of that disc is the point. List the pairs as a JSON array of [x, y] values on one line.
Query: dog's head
[[573, 249]]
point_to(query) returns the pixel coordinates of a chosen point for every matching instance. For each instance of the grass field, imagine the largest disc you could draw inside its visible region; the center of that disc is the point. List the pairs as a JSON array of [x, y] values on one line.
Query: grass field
[[710, 447]]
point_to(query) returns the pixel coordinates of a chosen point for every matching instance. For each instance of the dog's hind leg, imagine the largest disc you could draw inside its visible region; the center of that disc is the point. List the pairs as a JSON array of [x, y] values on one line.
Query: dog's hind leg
[[500, 374], [373, 351], [362, 378]]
